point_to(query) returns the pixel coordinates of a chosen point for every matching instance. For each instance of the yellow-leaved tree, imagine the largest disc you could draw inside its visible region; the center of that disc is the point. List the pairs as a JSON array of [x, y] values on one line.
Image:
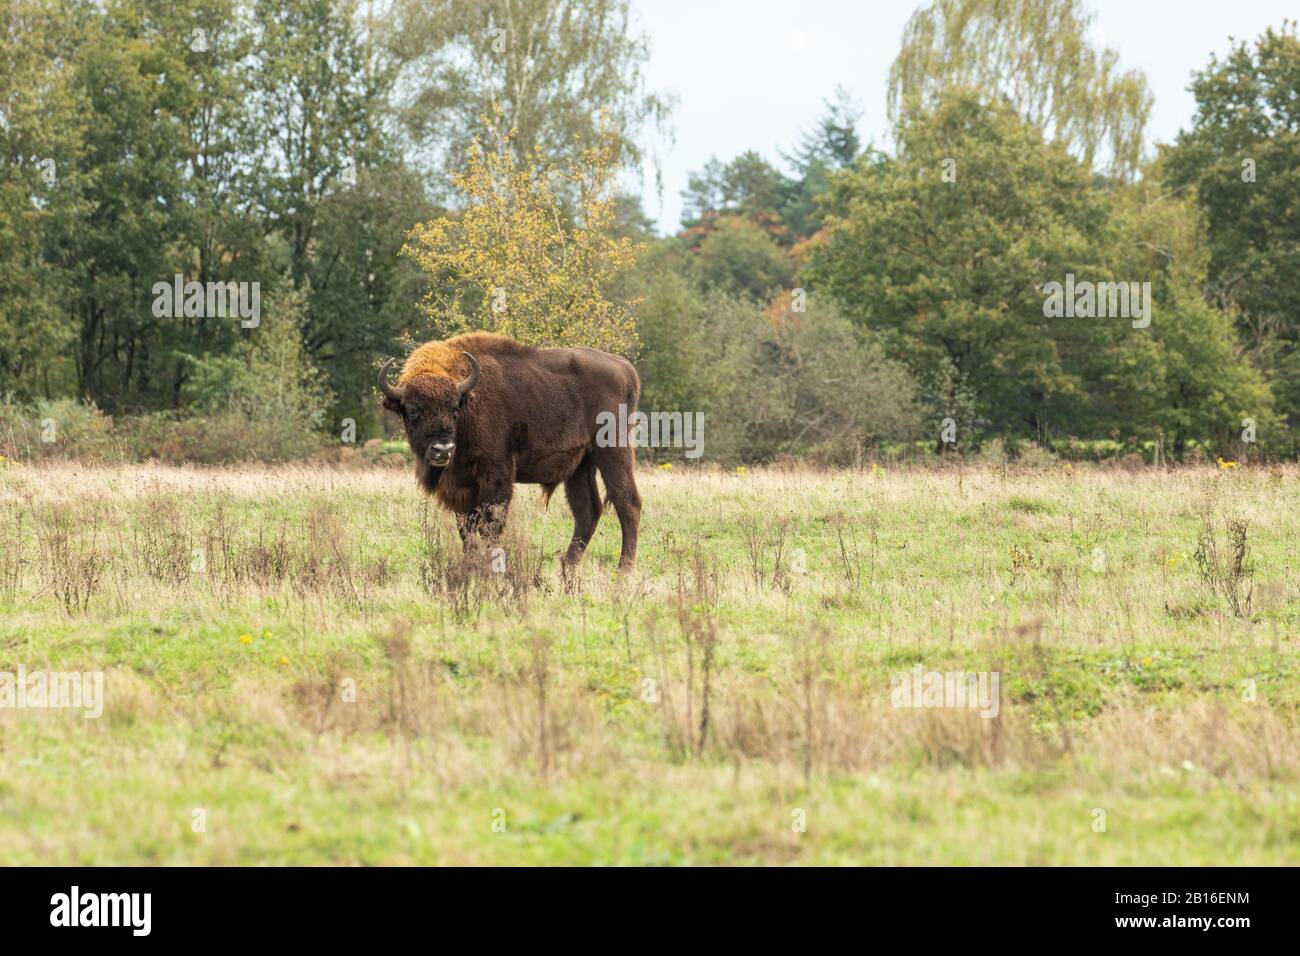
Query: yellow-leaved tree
[[530, 252]]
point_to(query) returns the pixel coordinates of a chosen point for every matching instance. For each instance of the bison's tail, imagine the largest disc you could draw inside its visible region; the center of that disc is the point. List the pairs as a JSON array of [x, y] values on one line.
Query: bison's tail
[[633, 399]]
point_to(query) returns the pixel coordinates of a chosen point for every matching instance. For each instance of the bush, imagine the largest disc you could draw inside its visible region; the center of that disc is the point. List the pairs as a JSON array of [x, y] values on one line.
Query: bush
[[58, 428], [739, 257], [264, 402], [517, 261], [269, 379], [834, 390], [68, 430], [219, 439], [769, 382]]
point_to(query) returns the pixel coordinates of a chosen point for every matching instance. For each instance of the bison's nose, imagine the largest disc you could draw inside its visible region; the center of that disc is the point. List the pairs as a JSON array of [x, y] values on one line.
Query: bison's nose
[[439, 454]]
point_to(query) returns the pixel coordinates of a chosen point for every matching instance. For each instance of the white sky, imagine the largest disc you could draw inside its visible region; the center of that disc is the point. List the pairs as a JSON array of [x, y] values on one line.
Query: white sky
[[741, 84]]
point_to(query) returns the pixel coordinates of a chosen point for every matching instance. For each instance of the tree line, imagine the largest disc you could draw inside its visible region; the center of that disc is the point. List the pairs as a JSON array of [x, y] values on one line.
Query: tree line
[[391, 172]]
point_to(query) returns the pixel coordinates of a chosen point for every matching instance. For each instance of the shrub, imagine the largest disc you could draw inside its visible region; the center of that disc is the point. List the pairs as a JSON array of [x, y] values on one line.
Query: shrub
[[221, 438], [81, 432], [518, 261], [58, 428], [769, 383]]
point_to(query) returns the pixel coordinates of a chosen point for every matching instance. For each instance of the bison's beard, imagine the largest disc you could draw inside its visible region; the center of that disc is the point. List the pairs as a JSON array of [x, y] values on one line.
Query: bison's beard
[[428, 476]]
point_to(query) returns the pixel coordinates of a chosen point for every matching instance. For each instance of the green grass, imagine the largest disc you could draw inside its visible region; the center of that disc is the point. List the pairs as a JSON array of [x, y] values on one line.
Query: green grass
[[395, 703]]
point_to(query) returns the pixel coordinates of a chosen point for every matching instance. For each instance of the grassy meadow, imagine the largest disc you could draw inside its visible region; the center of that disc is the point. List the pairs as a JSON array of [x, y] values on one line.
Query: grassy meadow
[[300, 668]]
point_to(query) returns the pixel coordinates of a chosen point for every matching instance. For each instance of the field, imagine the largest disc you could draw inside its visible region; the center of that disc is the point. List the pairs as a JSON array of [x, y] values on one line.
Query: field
[[299, 667]]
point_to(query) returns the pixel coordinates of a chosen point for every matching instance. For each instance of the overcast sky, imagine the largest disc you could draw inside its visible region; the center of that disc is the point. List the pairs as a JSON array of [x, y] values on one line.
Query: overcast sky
[[743, 83]]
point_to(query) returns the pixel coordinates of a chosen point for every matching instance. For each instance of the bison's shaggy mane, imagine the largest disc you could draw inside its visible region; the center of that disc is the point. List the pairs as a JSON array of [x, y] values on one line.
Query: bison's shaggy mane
[[446, 359]]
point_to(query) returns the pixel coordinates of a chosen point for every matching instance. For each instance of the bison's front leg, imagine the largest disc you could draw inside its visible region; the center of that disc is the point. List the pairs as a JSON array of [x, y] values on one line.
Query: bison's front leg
[[485, 521], [467, 523]]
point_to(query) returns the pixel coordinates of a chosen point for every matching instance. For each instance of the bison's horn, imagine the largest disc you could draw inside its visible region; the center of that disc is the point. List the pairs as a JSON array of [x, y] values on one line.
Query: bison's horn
[[474, 372], [389, 390]]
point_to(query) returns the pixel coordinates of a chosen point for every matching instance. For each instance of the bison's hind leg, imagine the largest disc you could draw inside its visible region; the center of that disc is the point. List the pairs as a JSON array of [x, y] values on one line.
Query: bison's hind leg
[[584, 502], [618, 469]]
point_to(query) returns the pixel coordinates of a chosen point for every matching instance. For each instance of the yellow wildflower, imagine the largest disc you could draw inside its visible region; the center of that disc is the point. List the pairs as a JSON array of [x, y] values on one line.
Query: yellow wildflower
[[245, 639]]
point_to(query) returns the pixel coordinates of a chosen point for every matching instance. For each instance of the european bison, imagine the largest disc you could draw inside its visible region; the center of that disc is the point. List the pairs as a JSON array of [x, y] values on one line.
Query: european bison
[[483, 412]]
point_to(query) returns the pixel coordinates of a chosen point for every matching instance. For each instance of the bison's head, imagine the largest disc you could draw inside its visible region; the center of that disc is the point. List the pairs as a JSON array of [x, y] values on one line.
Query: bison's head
[[429, 406]]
